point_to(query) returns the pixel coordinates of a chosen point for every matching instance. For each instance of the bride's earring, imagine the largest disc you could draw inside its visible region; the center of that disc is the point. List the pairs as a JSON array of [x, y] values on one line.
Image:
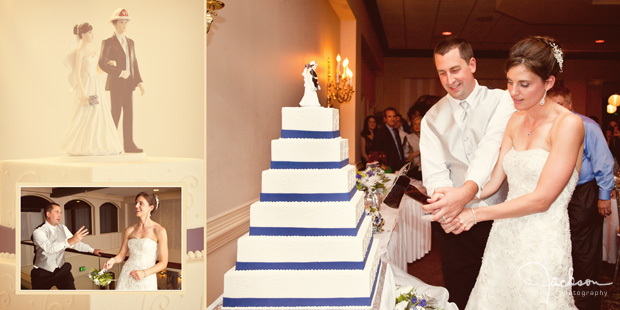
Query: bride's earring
[[542, 101]]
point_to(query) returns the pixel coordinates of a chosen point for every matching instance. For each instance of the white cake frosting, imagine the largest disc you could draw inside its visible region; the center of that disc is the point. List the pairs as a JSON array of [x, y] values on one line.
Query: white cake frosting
[[331, 214], [310, 150], [306, 249], [303, 283], [310, 242], [308, 180], [310, 119]]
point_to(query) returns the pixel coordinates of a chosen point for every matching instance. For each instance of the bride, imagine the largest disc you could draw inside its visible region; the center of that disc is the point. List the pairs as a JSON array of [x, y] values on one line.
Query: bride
[[527, 261], [146, 241], [92, 130]]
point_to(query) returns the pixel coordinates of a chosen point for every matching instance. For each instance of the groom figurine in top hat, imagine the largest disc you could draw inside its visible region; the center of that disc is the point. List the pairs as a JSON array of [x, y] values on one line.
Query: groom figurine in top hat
[[118, 60], [50, 241]]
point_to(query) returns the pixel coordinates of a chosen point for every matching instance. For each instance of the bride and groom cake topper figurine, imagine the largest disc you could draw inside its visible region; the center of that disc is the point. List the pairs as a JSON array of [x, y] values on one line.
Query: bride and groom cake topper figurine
[[311, 86], [93, 129]]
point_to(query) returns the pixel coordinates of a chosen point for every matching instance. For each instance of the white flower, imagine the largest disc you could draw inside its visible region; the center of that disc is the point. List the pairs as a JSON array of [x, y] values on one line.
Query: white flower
[[404, 290], [401, 305]]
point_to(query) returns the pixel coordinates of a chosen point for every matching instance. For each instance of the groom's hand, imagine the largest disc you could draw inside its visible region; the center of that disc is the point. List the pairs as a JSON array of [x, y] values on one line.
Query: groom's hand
[[78, 236], [97, 252], [447, 202]]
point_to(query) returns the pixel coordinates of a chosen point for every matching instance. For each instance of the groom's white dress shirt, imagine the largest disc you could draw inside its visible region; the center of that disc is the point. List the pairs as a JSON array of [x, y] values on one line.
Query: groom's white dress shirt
[[458, 145], [50, 244]]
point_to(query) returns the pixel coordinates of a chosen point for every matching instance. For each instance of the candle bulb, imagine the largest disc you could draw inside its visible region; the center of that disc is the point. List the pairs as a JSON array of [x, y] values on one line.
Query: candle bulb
[[338, 69], [350, 75]]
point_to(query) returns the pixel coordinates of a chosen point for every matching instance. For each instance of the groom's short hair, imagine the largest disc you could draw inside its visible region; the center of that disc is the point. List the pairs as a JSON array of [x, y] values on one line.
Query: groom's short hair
[[49, 207]]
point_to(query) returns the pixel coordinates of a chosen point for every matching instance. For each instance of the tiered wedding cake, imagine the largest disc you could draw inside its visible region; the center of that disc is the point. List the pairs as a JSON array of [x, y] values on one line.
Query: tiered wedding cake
[[310, 242]]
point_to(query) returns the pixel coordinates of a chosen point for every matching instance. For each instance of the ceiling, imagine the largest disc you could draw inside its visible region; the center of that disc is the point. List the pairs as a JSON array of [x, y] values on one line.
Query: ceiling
[[122, 191], [411, 28]]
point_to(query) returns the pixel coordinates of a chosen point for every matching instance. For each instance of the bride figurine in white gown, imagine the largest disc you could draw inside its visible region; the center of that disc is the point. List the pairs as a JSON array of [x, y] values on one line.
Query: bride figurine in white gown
[[92, 130], [146, 243], [527, 261]]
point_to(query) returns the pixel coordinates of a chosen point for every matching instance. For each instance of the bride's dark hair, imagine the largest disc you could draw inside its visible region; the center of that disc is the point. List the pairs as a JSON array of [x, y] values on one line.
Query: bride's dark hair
[[152, 199], [81, 29], [541, 55]]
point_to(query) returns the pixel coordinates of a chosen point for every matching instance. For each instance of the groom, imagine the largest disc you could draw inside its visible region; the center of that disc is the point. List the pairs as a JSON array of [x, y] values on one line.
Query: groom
[[459, 146], [50, 241], [118, 60]]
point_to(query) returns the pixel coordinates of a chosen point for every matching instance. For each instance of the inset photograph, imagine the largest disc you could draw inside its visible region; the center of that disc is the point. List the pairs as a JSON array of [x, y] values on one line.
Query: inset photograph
[[101, 238]]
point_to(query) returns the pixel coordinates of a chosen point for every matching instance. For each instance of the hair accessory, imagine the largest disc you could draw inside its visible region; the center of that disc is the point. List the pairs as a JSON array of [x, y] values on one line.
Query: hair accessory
[[156, 202], [558, 54]]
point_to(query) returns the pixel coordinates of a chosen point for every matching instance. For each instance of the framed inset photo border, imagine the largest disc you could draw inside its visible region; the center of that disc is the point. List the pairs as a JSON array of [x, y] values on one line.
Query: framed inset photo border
[[107, 210]]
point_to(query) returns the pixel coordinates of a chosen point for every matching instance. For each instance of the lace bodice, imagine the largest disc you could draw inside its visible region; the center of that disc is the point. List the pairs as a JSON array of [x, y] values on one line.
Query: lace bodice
[[523, 169], [527, 257], [142, 255]]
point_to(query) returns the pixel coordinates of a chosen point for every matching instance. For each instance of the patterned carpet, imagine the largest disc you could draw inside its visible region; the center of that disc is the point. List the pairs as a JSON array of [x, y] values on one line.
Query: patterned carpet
[[428, 269]]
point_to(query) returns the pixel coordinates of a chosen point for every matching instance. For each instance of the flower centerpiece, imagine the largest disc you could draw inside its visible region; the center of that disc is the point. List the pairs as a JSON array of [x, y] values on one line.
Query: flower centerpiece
[[410, 300], [100, 277], [372, 182]]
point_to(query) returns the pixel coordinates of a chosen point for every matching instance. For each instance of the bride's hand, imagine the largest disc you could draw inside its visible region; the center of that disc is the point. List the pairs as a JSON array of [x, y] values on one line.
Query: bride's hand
[[451, 226], [138, 274], [108, 264], [464, 221]]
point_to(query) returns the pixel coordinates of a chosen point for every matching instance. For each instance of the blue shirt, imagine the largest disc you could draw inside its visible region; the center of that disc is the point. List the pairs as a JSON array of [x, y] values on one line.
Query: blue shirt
[[598, 163]]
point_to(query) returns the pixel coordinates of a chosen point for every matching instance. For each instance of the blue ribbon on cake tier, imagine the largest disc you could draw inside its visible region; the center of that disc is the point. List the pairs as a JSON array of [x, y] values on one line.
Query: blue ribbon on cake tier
[[308, 196], [305, 302], [306, 231], [309, 165], [307, 134]]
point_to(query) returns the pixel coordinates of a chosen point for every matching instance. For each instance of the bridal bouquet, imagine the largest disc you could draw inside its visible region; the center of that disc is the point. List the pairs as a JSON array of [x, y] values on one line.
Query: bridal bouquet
[[408, 299], [100, 277]]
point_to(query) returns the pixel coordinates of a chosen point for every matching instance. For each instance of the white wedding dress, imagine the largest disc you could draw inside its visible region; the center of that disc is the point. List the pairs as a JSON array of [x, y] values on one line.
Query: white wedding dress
[[92, 130], [142, 255], [527, 262]]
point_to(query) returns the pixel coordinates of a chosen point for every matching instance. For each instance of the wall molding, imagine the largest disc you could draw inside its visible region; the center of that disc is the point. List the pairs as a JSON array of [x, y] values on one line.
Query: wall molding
[[227, 227]]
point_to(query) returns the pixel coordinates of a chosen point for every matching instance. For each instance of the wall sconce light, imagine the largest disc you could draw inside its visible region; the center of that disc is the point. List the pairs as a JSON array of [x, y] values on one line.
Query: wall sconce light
[[341, 89], [613, 103], [212, 6]]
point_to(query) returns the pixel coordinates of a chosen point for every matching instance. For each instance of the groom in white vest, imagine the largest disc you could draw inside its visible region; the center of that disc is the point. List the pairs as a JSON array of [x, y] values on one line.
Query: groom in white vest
[[459, 146], [50, 241]]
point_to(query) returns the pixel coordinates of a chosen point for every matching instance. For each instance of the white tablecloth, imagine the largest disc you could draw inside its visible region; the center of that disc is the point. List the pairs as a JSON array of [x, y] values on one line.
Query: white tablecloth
[[610, 224], [407, 237]]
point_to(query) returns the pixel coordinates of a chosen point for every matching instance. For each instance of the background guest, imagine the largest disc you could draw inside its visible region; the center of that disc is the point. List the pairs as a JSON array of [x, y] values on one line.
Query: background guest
[[368, 137], [403, 126], [412, 148], [589, 204], [389, 140]]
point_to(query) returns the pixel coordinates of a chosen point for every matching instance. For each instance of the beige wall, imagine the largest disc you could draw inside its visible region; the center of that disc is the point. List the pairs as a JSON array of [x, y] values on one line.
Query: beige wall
[[255, 56]]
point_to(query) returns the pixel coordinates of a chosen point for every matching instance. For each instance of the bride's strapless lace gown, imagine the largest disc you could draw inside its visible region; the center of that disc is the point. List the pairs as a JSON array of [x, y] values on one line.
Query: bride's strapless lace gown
[[527, 262], [142, 255], [92, 131]]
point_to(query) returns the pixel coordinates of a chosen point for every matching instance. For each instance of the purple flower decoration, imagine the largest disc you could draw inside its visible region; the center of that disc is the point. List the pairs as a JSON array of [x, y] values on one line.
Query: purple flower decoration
[[423, 303], [358, 176]]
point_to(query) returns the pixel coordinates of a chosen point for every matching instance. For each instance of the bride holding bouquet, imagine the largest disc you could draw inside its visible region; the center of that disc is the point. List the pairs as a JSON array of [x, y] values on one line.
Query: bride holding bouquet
[[146, 243]]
